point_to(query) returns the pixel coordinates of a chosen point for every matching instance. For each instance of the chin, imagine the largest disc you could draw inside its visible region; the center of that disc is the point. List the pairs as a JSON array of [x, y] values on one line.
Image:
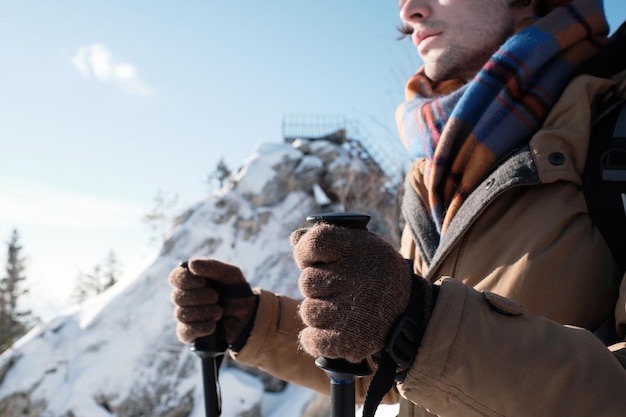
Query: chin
[[433, 74], [441, 74]]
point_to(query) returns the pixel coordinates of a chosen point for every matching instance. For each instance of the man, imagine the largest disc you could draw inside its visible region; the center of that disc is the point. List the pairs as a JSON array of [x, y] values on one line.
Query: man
[[499, 128]]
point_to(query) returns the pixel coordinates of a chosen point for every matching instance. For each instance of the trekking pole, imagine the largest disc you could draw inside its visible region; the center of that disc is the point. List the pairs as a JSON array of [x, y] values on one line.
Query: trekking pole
[[342, 373], [210, 351]]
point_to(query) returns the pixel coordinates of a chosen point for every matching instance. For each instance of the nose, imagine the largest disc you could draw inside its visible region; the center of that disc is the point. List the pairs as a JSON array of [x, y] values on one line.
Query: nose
[[413, 11]]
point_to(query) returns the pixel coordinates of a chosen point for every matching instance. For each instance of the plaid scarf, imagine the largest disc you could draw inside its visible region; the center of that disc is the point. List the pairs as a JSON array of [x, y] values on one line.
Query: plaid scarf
[[465, 129]]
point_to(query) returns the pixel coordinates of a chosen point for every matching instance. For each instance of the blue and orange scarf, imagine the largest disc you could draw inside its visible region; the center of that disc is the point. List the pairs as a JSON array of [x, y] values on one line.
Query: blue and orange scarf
[[464, 129]]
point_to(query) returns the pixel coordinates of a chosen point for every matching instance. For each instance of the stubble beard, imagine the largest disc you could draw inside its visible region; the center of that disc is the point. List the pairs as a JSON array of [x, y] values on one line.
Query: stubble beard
[[457, 62]]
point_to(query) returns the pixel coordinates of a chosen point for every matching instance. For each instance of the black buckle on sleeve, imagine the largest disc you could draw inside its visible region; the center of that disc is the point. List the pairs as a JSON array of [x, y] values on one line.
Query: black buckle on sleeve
[[404, 341], [406, 337]]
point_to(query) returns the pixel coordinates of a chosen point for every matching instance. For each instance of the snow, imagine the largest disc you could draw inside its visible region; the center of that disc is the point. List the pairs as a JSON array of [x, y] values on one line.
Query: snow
[[320, 196], [121, 345], [259, 167], [248, 393]]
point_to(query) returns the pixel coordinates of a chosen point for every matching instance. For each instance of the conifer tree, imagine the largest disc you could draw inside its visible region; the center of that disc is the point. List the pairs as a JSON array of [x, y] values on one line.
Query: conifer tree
[[14, 322], [80, 292], [161, 218], [111, 270], [98, 281], [221, 173]]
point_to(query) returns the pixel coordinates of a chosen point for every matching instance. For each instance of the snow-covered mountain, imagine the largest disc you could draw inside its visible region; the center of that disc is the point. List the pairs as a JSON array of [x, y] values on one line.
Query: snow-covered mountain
[[117, 354]]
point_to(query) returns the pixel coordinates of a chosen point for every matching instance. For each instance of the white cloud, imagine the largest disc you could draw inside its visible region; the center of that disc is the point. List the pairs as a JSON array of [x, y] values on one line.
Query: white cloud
[[125, 72], [97, 61]]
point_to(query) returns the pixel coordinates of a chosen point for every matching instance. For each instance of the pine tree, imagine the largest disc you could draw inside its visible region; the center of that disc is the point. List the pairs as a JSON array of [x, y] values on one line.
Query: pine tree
[[80, 292], [221, 173], [94, 280], [111, 270], [161, 218], [14, 322], [98, 281]]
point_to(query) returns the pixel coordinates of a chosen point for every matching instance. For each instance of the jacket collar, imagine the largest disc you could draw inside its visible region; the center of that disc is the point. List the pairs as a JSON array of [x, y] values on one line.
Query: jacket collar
[[518, 170]]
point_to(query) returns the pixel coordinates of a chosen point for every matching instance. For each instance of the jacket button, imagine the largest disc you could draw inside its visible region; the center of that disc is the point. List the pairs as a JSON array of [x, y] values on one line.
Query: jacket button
[[556, 158]]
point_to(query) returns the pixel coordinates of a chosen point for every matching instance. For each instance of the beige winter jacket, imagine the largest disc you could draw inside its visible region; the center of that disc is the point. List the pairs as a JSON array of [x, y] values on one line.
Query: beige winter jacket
[[523, 256]]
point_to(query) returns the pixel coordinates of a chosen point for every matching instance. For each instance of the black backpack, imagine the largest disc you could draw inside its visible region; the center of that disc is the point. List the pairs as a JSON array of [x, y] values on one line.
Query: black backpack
[[604, 177]]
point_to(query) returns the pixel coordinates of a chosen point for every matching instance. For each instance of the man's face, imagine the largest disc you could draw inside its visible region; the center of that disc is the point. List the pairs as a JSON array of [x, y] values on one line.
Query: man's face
[[455, 38]]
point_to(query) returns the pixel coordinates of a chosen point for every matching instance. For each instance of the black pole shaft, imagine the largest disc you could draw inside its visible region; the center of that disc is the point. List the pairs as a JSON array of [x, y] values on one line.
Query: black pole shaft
[[342, 373], [342, 398], [211, 388]]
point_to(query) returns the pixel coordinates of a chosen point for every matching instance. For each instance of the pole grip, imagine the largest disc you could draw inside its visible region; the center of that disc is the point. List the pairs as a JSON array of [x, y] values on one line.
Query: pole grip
[[210, 351], [342, 373], [350, 220]]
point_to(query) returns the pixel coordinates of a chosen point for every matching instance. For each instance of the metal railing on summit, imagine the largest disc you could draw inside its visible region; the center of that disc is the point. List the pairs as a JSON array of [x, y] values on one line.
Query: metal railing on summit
[[387, 152]]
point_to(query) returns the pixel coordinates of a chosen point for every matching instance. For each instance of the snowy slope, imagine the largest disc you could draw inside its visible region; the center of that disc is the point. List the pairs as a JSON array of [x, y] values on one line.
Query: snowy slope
[[117, 354]]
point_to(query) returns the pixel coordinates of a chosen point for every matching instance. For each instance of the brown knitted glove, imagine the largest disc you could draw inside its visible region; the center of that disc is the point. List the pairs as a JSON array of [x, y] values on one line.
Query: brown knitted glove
[[356, 285], [208, 291]]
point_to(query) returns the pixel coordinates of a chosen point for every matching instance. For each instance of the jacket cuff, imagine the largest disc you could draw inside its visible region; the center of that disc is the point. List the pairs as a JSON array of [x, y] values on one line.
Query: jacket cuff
[[245, 333], [276, 316]]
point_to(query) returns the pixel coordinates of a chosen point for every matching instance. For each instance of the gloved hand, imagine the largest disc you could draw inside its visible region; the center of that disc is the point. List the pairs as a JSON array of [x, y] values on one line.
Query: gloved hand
[[356, 285], [206, 292]]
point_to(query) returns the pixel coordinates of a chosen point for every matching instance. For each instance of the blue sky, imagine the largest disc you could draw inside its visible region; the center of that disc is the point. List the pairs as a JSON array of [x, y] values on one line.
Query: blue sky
[[103, 103]]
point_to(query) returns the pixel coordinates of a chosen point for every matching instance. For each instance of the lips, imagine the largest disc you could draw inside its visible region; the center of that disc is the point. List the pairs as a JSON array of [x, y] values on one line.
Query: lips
[[420, 37]]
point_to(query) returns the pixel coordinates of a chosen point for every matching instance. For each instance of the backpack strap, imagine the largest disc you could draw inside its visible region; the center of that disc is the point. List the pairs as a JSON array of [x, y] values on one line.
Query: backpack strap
[[620, 126], [604, 186], [614, 159], [604, 178]]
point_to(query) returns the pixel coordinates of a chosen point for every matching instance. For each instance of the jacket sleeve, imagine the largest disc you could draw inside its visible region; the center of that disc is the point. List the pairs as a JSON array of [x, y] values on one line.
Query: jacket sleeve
[[273, 347], [482, 355]]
